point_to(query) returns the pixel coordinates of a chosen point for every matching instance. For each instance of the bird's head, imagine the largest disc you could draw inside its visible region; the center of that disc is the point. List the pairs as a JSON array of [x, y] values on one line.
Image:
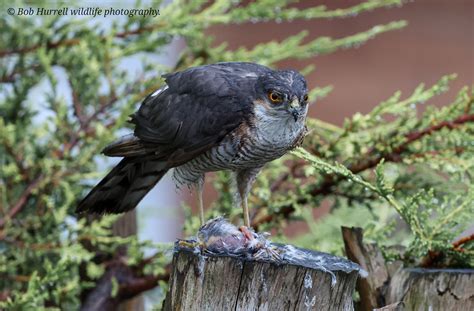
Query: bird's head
[[283, 93]]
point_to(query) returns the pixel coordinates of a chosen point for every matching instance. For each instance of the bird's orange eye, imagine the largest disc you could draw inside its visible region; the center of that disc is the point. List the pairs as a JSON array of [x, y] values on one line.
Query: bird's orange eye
[[305, 98], [274, 97]]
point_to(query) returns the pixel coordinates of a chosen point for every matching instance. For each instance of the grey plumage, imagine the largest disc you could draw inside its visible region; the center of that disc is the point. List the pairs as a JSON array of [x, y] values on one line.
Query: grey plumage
[[207, 118]]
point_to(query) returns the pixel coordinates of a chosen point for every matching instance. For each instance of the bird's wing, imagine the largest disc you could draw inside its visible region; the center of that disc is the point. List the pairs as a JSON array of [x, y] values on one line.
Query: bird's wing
[[192, 114]]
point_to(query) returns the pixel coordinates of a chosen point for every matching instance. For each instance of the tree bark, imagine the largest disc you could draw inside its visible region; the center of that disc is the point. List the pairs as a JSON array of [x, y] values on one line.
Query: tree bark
[[370, 258], [205, 282], [397, 288], [126, 226], [433, 289]]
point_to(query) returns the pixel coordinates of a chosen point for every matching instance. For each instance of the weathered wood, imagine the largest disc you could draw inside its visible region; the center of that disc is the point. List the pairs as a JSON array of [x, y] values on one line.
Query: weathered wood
[[398, 306], [205, 282], [433, 289], [370, 258], [401, 288]]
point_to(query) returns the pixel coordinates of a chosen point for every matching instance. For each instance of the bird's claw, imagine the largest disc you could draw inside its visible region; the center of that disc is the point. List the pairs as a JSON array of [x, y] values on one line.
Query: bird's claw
[[190, 244], [267, 253]]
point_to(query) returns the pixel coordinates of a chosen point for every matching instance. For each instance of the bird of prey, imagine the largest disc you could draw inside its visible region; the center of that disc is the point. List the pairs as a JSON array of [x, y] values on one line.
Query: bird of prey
[[233, 116]]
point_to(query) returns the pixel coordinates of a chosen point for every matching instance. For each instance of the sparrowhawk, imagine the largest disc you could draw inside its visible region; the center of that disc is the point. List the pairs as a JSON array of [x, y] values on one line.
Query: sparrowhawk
[[233, 116]]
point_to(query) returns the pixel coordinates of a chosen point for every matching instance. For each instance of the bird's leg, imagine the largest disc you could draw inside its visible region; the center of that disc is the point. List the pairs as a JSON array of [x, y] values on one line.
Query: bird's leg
[[246, 209], [245, 179], [199, 190]]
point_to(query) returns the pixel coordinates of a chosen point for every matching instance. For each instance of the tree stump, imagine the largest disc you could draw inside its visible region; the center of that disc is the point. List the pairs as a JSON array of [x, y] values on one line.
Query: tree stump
[[433, 289], [370, 258], [390, 287], [209, 282]]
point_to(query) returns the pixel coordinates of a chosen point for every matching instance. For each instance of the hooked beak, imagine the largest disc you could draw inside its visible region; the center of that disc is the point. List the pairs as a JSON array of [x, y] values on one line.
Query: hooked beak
[[295, 108]]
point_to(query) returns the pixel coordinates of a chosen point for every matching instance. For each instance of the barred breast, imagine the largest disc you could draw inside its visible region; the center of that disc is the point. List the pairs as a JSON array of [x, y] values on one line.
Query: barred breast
[[249, 146]]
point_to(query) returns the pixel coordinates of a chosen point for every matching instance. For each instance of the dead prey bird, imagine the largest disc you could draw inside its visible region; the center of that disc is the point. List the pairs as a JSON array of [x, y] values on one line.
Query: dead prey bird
[[228, 116], [218, 237]]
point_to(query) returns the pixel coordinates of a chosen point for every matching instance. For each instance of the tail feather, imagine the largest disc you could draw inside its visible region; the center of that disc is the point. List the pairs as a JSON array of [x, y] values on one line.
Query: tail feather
[[123, 188], [127, 146]]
